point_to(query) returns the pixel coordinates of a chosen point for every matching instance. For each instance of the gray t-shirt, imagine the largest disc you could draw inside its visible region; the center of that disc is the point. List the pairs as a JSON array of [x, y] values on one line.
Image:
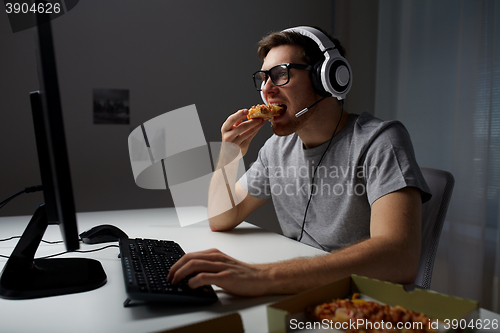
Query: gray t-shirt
[[366, 160]]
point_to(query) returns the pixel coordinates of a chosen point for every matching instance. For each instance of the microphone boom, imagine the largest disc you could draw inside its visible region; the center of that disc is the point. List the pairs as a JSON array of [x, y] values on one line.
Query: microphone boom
[[300, 113]]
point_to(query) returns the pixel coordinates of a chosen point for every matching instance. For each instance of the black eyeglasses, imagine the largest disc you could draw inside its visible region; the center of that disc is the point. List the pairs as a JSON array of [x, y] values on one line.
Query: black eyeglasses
[[279, 74]]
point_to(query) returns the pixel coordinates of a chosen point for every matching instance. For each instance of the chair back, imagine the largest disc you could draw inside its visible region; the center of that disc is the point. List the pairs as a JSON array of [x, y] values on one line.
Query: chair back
[[433, 216]]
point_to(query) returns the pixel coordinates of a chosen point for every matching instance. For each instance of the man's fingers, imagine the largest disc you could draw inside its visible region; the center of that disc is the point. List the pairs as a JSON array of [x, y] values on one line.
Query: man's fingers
[[234, 134], [193, 262], [238, 116], [205, 279], [196, 266], [249, 134]]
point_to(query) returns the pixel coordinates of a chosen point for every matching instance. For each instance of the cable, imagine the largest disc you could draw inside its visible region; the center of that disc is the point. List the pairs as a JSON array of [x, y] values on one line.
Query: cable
[[54, 242], [10, 238], [6, 201], [314, 172], [30, 189], [77, 251], [44, 241]]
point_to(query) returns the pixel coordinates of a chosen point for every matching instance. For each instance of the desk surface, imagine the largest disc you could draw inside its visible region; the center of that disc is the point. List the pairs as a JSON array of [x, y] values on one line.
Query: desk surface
[[102, 310]]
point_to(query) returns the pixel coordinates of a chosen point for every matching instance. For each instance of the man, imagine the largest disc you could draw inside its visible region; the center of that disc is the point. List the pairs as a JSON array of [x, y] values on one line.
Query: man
[[361, 196]]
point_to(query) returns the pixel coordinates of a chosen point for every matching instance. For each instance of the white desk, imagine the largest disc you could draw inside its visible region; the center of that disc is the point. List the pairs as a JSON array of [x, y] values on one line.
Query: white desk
[[102, 310]]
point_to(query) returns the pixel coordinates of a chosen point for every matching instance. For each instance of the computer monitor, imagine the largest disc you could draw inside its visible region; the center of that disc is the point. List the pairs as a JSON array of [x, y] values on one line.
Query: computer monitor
[[23, 276]]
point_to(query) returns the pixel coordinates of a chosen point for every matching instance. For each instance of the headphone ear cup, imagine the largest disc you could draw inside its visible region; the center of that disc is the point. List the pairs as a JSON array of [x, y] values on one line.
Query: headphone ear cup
[[340, 76], [316, 80]]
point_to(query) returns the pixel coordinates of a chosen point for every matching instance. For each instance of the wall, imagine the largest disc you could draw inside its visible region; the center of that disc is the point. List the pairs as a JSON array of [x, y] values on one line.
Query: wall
[[356, 25], [168, 54]]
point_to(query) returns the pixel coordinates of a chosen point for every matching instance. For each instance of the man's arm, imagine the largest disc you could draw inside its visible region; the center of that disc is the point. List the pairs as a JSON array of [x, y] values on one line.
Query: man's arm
[[236, 137], [231, 218], [392, 253]]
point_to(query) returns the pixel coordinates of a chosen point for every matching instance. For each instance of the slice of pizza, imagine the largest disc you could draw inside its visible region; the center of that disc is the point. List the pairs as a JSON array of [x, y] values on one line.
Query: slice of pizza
[[265, 111]]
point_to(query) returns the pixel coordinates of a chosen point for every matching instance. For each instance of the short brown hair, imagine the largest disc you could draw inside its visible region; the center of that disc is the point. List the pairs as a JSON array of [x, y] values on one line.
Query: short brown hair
[[311, 53]]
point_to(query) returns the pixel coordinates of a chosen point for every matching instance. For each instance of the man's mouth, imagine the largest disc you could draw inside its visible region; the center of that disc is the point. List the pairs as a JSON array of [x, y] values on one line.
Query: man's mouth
[[282, 113]]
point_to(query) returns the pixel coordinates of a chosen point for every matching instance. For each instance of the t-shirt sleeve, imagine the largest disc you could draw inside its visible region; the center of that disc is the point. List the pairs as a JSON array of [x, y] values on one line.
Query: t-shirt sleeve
[[256, 180], [390, 164]]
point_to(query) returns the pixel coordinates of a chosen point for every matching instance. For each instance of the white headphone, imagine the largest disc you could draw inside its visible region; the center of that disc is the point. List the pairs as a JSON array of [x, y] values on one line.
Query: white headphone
[[333, 75]]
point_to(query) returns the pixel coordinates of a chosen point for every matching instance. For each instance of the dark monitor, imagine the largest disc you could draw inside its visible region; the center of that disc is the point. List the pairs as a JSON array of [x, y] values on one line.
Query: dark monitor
[[23, 276]]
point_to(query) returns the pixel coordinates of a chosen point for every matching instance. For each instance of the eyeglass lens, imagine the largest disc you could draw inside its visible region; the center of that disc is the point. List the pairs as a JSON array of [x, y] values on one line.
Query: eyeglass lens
[[278, 74]]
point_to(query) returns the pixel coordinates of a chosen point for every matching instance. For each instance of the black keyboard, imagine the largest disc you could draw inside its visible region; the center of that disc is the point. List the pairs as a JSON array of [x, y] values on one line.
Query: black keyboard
[[146, 263]]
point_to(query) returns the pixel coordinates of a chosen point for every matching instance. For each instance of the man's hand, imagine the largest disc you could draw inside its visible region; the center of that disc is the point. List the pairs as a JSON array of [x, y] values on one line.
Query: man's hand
[[236, 131], [214, 267]]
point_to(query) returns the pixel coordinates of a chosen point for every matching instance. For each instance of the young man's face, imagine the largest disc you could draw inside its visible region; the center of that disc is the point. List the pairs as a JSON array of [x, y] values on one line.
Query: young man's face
[[297, 94]]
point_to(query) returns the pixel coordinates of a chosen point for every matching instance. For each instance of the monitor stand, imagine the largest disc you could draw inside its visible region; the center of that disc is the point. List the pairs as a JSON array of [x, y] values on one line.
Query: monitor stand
[[24, 277]]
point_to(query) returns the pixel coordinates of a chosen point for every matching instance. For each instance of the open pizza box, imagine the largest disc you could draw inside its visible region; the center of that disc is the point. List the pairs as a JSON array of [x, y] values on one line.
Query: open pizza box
[[289, 315], [226, 324]]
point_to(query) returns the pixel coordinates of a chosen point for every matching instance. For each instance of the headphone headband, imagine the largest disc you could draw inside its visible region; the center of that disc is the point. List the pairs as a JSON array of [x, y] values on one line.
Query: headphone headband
[[320, 38]]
